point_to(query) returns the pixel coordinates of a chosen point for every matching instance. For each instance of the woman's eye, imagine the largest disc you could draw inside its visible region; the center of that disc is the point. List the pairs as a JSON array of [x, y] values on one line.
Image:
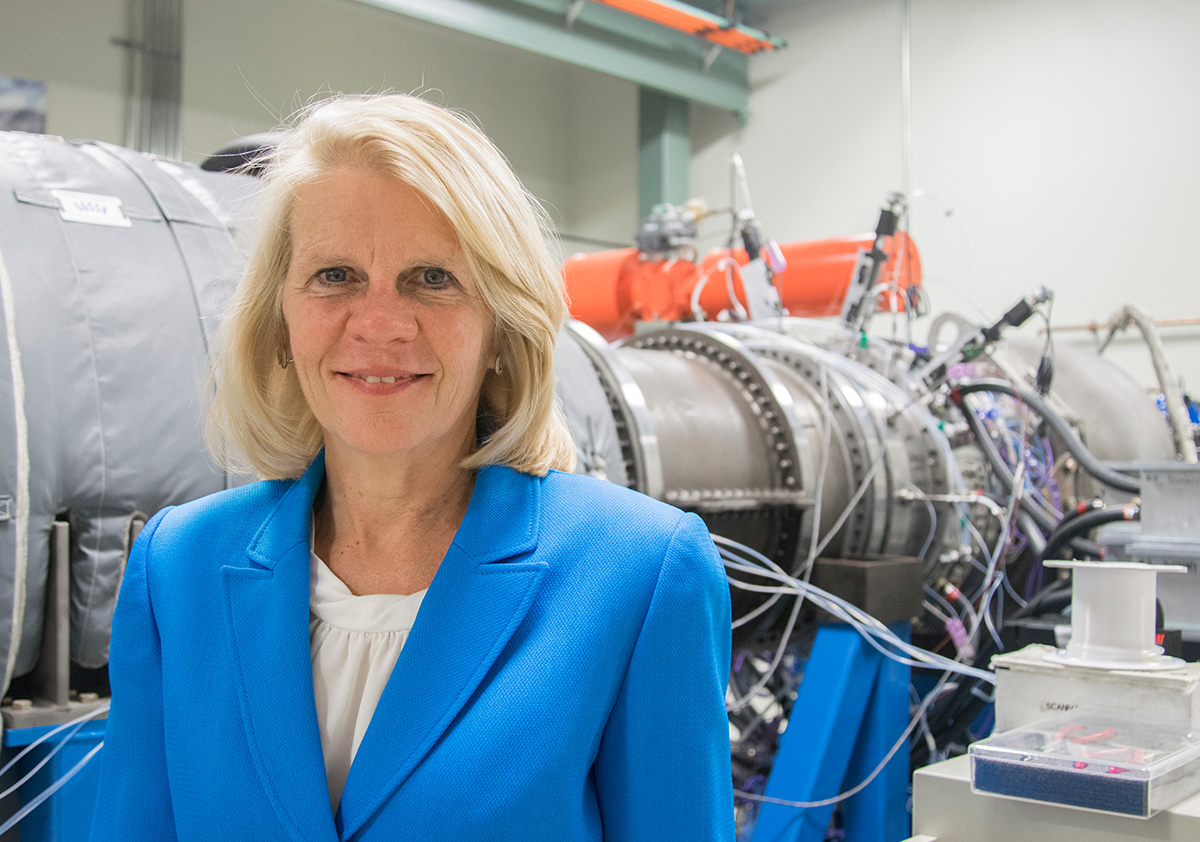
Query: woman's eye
[[436, 277], [333, 276]]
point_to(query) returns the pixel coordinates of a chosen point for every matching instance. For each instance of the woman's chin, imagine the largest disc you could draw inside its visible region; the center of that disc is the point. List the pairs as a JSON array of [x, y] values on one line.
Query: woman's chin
[[391, 445]]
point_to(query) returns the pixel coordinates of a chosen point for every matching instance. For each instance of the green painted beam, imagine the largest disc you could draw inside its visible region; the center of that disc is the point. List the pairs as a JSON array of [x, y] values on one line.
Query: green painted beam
[[659, 61], [664, 150]]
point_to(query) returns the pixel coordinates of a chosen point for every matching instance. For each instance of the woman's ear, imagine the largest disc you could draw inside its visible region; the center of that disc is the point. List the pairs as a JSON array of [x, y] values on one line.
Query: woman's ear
[[283, 353]]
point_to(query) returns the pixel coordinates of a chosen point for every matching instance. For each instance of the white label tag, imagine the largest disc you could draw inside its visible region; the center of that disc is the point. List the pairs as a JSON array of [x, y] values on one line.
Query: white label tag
[[91, 208]]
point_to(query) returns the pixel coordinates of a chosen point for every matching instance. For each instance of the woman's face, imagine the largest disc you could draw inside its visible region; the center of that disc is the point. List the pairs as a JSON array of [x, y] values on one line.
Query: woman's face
[[390, 340]]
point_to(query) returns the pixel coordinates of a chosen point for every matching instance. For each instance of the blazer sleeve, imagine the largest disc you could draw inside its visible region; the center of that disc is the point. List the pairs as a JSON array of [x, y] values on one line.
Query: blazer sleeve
[[663, 768], [133, 800]]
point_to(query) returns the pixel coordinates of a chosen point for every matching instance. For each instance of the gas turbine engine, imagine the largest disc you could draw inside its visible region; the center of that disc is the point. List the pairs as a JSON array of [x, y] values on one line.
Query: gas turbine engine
[[942, 476]]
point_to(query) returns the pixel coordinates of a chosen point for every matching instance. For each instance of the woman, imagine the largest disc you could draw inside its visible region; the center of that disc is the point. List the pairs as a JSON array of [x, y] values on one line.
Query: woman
[[418, 627]]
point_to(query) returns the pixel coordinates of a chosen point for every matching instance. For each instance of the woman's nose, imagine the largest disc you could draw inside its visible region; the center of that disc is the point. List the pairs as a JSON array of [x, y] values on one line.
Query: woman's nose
[[383, 315]]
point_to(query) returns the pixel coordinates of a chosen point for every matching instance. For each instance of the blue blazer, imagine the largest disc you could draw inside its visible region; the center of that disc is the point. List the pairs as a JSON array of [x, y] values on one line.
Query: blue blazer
[[564, 679]]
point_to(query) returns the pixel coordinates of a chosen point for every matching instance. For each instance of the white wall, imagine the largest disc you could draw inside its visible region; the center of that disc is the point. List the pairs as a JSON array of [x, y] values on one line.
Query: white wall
[[602, 178], [1059, 134], [570, 133], [65, 43]]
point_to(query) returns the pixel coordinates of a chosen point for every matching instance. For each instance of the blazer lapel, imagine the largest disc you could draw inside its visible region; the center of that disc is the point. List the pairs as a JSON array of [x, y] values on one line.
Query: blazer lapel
[[267, 622], [471, 611]]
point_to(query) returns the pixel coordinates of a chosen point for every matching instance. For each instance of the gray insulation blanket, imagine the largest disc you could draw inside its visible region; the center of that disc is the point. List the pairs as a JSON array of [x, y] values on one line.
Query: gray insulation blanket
[[106, 329]]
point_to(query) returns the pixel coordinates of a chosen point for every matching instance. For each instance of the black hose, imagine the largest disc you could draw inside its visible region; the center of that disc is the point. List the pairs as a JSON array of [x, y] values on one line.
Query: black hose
[[1085, 523], [1086, 460], [1083, 508], [1049, 600], [1082, 546]]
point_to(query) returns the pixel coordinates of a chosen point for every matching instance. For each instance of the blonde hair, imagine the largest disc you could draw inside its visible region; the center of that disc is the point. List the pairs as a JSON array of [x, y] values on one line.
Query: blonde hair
[[259, 414]]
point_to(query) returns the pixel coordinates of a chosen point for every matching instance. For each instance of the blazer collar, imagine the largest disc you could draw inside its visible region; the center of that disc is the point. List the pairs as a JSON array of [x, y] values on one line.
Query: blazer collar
[[501, 519], [465, 621], [266, 619], [288, 526]]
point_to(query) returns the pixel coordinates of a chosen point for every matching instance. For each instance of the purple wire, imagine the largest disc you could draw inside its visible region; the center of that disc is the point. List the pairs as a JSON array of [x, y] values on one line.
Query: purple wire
[[1033, 582], [1052, 483]]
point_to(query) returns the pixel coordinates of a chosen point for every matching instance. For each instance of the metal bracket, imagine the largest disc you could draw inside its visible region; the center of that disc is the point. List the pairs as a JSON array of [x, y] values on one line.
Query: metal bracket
[[573, 12], [53, 668], [52, 675], [710, 57]]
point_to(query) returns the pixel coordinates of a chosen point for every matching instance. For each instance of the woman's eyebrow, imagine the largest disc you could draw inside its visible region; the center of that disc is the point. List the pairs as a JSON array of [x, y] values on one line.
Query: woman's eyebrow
[[318, 254], [314, 254]]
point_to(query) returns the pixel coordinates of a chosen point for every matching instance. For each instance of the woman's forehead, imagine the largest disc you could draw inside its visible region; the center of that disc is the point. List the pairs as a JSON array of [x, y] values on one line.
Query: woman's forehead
[[357, 208]]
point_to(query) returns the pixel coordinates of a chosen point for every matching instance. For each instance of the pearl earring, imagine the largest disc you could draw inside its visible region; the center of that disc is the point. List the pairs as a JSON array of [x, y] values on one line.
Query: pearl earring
[[499, 366]]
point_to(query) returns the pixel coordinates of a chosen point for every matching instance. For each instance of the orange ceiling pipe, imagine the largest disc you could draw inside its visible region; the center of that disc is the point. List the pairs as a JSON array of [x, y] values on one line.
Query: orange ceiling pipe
[[612, 290], [696, 22]]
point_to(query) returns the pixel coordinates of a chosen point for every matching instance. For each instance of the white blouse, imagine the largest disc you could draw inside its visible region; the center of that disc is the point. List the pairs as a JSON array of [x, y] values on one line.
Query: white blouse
[[355, 641]]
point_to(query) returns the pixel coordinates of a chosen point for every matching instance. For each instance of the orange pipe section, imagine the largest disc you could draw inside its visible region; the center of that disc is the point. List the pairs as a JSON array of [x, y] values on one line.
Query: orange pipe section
[[680, 19], [611, 290]]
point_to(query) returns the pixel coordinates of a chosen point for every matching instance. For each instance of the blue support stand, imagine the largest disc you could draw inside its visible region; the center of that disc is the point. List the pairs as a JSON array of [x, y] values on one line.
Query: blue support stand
[[851, 709], [66, 816]]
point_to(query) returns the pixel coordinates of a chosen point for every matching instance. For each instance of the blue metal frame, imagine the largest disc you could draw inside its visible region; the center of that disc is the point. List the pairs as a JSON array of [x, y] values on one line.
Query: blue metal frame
[[66, 816], [851, 708]]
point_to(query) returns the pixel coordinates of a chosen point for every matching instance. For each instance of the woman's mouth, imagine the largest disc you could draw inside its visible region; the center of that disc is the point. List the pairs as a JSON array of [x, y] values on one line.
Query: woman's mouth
[[389, 379]]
